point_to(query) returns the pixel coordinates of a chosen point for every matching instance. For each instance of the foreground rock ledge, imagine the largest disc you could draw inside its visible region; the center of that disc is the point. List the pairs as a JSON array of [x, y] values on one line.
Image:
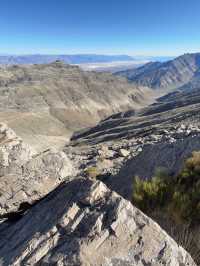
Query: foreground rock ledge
[[26, 177], [82, 222]]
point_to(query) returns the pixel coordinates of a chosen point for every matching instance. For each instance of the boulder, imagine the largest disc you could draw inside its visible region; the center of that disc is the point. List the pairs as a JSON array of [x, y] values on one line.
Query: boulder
[[124, 153]]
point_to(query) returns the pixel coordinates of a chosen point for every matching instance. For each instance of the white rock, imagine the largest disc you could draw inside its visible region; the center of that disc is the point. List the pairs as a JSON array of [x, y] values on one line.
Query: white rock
[[139, 149], [124, 153], [183, 127]]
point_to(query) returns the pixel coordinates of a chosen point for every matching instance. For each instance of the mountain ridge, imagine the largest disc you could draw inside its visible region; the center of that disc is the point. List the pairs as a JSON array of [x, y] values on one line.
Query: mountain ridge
[[57, 99], [166, 76]]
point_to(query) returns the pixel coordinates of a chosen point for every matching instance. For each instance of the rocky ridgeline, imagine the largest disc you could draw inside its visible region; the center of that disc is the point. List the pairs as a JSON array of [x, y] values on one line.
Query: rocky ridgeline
[[166, 75], [109, 157], [51, 215]]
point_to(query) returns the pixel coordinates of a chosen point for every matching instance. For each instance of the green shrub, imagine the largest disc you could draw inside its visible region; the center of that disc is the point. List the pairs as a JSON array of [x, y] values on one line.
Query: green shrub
[[92, 172], [174, 202], [150, 194], [179, 196]]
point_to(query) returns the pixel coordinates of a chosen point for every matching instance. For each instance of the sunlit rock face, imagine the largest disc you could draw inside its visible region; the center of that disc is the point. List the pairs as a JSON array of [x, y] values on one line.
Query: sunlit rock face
[[25, 176], [84, 223]]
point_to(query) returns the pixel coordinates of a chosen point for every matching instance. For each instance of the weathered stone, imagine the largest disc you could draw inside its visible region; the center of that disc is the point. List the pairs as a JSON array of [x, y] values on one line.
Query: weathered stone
[[139, 149], [83, 223], [105, 152], [168, 156], [13, 151], [25, 177], [183, 127], [124, 153]]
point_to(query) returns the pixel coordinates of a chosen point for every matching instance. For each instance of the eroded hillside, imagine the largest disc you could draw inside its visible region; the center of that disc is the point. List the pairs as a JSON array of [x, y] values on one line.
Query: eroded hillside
[[46, 103]]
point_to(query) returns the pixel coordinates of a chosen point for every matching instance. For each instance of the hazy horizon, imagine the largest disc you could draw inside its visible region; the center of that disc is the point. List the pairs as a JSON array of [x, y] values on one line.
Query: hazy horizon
[[106, 54], [100, 53]]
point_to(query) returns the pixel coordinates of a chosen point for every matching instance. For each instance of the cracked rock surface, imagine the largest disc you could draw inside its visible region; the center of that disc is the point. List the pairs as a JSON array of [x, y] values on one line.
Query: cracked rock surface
[[26, 177], [82, 222]]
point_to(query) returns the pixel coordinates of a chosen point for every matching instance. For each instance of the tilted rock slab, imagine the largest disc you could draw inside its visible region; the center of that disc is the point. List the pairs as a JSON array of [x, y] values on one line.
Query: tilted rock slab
[[164, 156], [24, 176], [84, 223], [167, 156]]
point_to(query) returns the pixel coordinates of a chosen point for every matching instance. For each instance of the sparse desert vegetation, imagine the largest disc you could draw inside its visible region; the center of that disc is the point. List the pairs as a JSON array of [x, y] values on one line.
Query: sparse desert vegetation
[[92, 172], [174, 202]]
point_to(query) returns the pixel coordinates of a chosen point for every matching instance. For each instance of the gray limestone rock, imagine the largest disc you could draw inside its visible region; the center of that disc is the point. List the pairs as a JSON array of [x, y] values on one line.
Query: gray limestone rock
[[84, 223], [25, 177]]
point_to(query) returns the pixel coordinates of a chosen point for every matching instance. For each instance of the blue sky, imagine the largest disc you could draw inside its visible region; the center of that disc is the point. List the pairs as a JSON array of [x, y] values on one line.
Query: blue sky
[[135, 27]]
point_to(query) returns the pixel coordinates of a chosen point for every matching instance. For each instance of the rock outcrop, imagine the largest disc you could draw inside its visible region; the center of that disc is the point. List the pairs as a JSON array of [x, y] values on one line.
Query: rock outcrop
[[26, 177], [84, 223], [13, 151]]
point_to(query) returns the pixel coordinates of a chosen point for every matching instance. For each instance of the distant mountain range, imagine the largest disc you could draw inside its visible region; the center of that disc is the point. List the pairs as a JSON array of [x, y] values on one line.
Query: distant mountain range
[[69, 59], [77, 59], [167, 75]]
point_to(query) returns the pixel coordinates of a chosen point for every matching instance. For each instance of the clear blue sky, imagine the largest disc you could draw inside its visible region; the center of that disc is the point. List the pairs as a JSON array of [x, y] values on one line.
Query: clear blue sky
[[136, 27]]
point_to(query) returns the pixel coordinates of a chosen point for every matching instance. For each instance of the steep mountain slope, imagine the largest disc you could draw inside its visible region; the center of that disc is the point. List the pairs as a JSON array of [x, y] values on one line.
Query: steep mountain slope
[[45, 103], [167, 75], [136, 73], [193, 84], [151, 120], [173, 121]]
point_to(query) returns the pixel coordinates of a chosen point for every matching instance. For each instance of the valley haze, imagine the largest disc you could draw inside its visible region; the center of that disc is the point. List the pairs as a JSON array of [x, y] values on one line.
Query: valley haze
[[90, 62]]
